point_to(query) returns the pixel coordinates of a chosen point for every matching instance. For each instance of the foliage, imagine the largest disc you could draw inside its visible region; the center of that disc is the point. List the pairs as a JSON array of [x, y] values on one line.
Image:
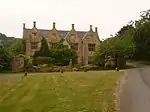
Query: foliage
[[44, 51], [124, 30], [116, 47], [42, 60], [131, 42], [75, 69], [142, 41], [3, 36], [18, 47], [5, 53], [6, 41], [61, 54], [5, 59]]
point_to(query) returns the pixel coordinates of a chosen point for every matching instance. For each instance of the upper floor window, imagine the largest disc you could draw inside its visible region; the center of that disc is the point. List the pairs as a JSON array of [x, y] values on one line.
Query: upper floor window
[[34, 45], [74, 46], [91, 47], [72, 34], [34, 33], [54, 34]]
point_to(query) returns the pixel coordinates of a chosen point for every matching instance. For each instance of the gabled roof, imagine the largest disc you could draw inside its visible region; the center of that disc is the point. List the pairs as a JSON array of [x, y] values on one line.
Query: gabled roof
[[81, 34], [62, 33]]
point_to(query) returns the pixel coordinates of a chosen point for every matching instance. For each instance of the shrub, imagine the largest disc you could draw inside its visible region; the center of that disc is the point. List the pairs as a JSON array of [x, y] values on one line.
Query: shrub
[[43, 65], [75, 69], [42, 60]]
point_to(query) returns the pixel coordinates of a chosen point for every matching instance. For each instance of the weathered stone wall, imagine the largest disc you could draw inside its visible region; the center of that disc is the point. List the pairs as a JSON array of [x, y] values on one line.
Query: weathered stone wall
[[90, 37], [18, 64], [32, 36], [53, 36], [72, 38]]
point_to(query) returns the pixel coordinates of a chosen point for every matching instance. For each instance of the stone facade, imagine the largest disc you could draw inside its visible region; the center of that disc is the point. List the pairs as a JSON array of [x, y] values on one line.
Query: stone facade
[[18, 64], [84, 42]]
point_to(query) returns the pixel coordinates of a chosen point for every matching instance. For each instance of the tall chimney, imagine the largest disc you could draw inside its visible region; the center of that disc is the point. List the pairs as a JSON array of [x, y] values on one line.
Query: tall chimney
[[91, 27], [24, 26], [34, 24], [54, 24], [95, 29], [72, 26]]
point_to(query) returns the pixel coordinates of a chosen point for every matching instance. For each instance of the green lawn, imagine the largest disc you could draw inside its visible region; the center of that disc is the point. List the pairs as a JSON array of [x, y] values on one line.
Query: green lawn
[[53, 92]]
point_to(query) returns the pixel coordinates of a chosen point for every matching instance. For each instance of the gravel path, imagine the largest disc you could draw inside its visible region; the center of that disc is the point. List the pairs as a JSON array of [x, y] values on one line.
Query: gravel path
[[135, 92]]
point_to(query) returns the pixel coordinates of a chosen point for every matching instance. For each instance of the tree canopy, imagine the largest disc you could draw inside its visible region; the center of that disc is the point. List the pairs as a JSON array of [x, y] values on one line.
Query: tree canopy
[[62, 54]]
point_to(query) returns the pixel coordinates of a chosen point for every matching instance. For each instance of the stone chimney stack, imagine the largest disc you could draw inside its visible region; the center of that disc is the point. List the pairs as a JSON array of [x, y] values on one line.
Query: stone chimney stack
[[91, 28], [34, 24], [54, 24], [73, 27], [24, 26], [95, 29]]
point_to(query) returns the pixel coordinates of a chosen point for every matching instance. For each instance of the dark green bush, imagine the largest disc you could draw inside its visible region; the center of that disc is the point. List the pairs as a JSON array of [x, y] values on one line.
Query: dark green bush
[[42, 60]]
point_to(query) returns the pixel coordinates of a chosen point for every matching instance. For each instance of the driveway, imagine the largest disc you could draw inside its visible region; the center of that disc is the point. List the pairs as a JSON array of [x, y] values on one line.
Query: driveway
[[135, 90]]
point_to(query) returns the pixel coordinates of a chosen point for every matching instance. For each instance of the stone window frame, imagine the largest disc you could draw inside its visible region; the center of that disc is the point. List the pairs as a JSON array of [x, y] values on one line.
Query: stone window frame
[[34, 45], [72, 34], [34, 33], [53, 34], [91, 47]]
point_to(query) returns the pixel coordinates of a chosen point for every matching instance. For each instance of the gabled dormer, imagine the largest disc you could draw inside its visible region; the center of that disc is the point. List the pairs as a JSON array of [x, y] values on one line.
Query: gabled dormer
[[33, 39], [53, 36], [89, 35], [72, 36], [91, 40], [35, 35]]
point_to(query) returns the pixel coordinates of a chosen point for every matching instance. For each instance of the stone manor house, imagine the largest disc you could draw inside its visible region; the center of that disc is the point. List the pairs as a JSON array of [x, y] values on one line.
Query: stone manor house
[[84, 42]]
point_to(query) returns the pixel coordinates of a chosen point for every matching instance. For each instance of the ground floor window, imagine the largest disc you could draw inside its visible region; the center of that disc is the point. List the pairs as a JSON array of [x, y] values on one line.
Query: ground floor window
[[91, 47]]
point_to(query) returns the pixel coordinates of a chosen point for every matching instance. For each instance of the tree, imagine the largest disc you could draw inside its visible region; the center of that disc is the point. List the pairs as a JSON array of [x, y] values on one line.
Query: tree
[[44, 51], [142, 37], [3, 36], [61, 54], [116, 48], [124, 29], [5, 59], [142, 41], [18, 47]]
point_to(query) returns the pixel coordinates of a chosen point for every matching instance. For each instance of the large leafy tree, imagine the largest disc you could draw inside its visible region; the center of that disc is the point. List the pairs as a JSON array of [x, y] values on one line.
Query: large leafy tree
[[5, 59], [116, 48], [44, 51], [142, 36], [18, 47], [125, 29], [61, 54]]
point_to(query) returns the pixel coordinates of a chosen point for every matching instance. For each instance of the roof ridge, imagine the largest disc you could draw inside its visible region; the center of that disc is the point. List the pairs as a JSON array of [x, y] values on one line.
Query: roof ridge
[[57, 30]]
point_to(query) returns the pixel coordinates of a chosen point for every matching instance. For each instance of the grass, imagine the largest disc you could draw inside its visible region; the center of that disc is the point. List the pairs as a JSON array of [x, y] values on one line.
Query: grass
[[55, 92]]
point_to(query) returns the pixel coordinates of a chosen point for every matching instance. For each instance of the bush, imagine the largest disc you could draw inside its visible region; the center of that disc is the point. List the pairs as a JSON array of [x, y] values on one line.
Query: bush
[[43, 65], [75, 69], [42, 60]]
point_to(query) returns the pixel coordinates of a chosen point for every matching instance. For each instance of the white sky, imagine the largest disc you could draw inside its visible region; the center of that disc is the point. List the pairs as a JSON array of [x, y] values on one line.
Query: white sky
[[108, 15]]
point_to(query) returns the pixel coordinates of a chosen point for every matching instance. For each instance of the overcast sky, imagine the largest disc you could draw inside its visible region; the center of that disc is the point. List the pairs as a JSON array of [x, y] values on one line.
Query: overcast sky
[[108, 15]]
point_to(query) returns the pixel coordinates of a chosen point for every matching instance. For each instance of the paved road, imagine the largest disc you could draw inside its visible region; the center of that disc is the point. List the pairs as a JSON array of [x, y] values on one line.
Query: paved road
[[135, 94]]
